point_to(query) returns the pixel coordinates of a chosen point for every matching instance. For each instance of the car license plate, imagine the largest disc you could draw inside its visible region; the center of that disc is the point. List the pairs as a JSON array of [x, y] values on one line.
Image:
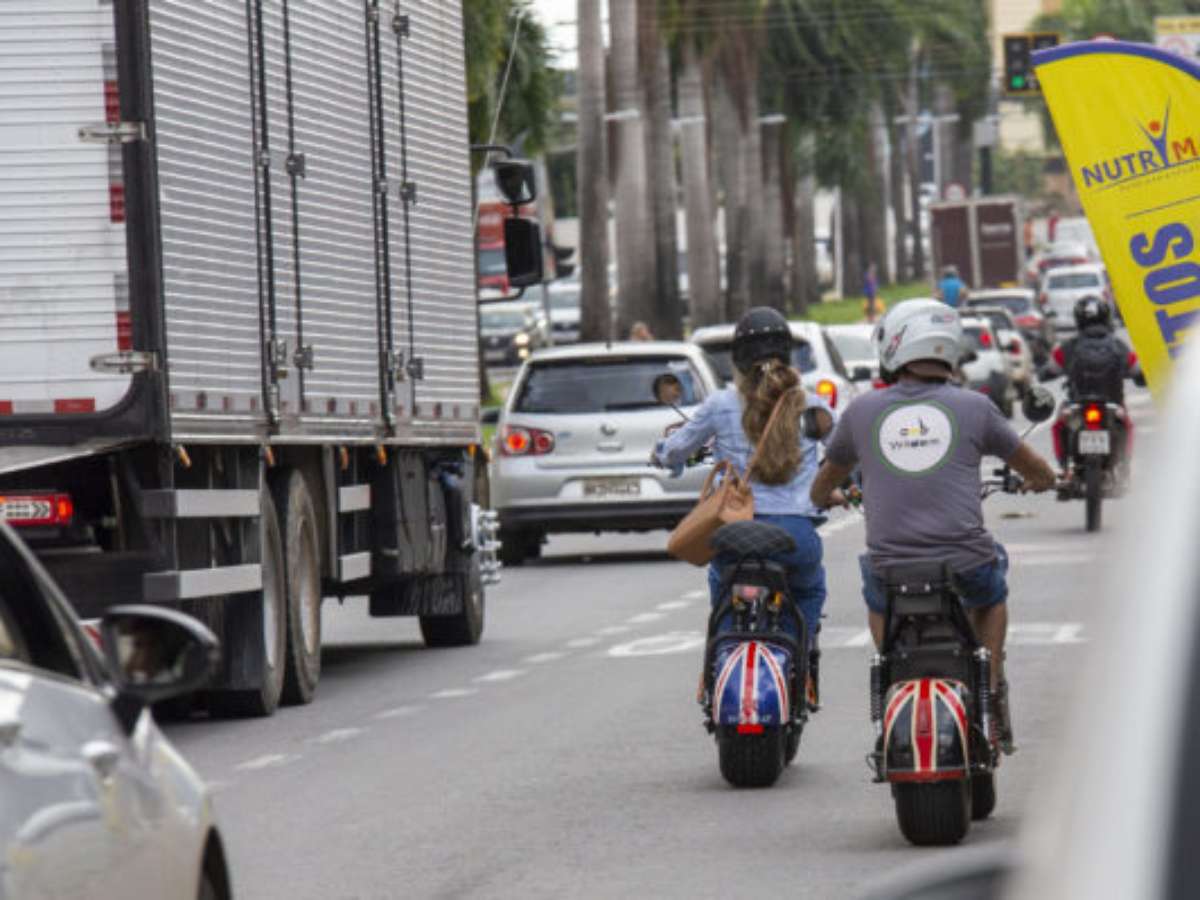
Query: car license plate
[[1094, 443], [612, 487]]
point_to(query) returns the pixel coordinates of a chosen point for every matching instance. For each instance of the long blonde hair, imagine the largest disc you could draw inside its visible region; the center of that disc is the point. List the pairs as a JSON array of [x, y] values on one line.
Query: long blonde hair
[[760, 390]]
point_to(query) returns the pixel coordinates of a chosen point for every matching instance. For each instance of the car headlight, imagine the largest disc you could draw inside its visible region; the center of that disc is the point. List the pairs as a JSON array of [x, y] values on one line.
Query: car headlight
[[521, 340]]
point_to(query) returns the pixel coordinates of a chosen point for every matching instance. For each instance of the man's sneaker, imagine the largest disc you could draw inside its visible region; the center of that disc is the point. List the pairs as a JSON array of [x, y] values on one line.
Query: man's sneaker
[[1004, 730]]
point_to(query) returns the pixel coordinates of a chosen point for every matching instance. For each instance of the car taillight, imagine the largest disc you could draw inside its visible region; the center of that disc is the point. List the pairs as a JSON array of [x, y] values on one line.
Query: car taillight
[[1014, 347], [1093, 416], [526, 441], [1030, 320], [828, 390], [985, 340], [37, 509], [879, 384]]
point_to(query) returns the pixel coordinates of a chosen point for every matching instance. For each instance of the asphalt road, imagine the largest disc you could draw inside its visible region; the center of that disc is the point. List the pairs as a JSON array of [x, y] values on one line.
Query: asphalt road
[[564, 756]]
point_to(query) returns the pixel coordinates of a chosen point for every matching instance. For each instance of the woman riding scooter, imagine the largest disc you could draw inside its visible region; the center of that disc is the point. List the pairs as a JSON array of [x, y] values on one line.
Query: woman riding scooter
[[734, 420]]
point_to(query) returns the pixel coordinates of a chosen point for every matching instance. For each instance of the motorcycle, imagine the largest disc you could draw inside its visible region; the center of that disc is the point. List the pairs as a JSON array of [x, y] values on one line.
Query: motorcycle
[[931, 704], [1093, 432], [760, 675]]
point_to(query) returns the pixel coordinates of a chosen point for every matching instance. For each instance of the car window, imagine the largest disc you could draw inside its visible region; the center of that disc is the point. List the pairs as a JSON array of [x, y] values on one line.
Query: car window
[[721, 355], [564, 299], [998, 319], [32, 626], [1072, 280], [853, 347], [979, 337], [1014, 304], [603, 385], [492, 262], [511, 319], [835, 358], [12, 642]]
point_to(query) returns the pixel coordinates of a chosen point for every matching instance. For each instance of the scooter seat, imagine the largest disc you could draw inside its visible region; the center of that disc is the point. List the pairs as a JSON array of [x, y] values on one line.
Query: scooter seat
[[920, 577], [753, 538]]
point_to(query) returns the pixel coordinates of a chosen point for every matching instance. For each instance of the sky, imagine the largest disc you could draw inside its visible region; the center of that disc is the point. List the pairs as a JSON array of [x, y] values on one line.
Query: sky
[[559, 18]]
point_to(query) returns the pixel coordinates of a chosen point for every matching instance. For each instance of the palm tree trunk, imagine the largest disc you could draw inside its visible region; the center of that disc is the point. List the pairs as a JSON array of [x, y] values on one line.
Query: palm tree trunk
[[703, 266], [896, 192], [774, 225], [911, 107], [635, 239], [728, 133], [871, 198], [665, 313], [592, 177], [806, 289], [755, 219]]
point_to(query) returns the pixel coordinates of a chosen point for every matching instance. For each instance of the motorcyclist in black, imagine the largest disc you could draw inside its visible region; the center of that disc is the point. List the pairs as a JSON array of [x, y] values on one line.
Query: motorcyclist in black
[[1096, 363]]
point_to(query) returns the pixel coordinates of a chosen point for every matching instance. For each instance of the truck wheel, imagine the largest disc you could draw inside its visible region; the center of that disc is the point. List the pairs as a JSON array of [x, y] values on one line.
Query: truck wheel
[[302, 561], [273, 605], [462, 628]]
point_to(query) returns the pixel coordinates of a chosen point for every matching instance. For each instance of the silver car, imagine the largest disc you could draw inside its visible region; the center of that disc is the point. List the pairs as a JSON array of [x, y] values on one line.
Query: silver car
[[1062, 288], [96, 801], [989, 371], [856, 345], [573, 442], [813, 353]]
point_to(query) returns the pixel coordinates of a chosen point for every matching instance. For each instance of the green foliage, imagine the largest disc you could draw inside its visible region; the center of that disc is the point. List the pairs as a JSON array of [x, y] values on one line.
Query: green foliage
[[531, 102], [851, 310], [1018, 172]]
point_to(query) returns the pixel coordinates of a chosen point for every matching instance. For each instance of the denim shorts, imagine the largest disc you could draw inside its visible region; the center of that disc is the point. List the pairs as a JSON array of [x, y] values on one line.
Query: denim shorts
[[980, 587]]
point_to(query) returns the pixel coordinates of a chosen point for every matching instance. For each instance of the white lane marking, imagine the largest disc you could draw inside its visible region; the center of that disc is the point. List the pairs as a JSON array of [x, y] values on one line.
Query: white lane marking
[[266, 761], [643, 618], [550, 656], [1070, 633], [1068, 547], [659, 645], [500, 675], [861, 639], [581, 642], [1041, 634], [672, 604], [1144, 430], [337, 735], [611, 630], [695, 595], [453, 693], [397, 712], [1138, 399]]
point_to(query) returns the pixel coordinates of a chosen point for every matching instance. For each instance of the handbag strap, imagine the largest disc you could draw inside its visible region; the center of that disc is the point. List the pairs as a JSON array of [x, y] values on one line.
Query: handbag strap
[[767, 429], [722, 468]]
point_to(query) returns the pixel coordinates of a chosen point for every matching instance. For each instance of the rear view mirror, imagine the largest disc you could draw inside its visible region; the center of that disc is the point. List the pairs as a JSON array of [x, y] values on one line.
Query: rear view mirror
[[523, 252], [968, 357], [668, 389], [861, 373], [1039, 404], [515, 181], [154, 654], [1013, 346]]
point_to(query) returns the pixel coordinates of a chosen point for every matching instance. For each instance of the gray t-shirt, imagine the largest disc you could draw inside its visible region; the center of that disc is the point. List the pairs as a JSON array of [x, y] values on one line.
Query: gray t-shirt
[[920, 446]]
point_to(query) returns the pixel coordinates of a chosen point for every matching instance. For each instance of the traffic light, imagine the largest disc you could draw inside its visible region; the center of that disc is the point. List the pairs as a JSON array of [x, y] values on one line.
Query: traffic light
[[1019, 77]]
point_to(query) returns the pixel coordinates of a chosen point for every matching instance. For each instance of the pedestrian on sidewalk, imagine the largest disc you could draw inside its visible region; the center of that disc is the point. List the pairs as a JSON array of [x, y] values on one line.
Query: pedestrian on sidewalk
[[640, 331], [871, 292]]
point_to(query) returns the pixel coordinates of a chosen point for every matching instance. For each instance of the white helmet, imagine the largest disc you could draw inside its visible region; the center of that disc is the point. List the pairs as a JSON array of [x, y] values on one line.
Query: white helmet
[[918, 330]]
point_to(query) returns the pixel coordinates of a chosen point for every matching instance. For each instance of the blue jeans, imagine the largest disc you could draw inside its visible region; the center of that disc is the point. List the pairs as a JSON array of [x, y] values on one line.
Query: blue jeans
[[806, 574], [982, 586]]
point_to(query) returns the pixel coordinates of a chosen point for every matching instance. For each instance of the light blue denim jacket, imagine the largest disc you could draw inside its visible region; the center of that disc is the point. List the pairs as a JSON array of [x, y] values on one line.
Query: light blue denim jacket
[[720, 417]]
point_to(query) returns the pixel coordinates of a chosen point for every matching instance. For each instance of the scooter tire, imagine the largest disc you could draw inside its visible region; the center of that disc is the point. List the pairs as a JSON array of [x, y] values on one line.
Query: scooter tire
[[1093, 494], [936, 814], [983, 795], [792, 745], [752, 760]]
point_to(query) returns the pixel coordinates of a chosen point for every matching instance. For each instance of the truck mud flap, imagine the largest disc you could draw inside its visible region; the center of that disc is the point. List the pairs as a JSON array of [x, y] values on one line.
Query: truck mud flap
[[409, 518]]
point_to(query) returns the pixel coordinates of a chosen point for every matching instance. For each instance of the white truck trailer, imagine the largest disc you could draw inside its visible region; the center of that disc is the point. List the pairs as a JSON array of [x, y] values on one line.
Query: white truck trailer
[[238, 327]]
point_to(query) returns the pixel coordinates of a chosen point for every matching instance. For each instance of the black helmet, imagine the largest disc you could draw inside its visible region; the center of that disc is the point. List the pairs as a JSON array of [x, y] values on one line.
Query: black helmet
[[1092, 310], [762, 333]]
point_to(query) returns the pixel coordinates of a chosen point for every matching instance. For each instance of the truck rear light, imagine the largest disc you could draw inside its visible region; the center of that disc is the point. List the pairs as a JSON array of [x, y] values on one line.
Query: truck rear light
[[828, 390], [37, 509], [124, 330], [517, 441], [116, 203], [112, 103]]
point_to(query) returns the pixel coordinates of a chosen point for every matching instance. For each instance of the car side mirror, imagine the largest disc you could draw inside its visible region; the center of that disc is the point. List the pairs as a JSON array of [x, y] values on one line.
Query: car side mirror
[[154, 654], [1014, 346], [523, 252], [968, 357], [1039, 404], [861, 373], [515, 181], [1139, 377]]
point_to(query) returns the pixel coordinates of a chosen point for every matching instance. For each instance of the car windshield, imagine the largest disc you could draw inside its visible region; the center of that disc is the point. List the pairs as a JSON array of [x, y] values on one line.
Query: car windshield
[[492, 262], [1014, 303], [502, 320], [602, 385], [999, 320], [1071, 280], [721, 353], [853, 347]]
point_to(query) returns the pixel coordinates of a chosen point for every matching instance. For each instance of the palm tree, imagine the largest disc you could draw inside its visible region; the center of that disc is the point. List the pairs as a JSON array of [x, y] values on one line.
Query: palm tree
[[592, 177]]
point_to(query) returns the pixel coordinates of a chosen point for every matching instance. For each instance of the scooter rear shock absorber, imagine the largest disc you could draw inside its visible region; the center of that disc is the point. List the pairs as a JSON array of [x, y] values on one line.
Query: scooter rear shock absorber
[[983, 679], [877, 694]]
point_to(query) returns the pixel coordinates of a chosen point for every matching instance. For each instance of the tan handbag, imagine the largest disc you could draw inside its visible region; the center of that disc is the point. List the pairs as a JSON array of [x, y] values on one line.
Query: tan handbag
[[731, 500]]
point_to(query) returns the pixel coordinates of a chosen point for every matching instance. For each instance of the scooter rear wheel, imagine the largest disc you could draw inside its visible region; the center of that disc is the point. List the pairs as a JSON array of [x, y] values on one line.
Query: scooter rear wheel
[[933, 814], [751, 760], [1093, 493], [983, 795]]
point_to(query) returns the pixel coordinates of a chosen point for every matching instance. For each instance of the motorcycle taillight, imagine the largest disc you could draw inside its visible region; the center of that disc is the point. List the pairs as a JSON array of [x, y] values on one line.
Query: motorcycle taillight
[[1093, 417]]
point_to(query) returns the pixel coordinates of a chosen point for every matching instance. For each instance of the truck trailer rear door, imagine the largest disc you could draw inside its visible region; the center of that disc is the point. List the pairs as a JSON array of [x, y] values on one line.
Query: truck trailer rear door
[[64, 293]]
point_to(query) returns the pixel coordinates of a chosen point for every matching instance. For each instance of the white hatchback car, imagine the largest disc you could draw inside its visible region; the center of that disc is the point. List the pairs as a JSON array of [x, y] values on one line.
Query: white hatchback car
[[96, 801], [989, 372], [821, 366], [574, 437], [1063, 288]]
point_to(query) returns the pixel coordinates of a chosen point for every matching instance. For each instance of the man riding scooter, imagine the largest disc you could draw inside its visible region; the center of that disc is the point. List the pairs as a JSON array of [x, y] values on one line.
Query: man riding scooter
[[1096, 363]]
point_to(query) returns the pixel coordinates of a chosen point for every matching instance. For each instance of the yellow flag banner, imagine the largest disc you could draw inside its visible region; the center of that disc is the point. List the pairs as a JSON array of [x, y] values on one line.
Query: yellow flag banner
[[1128, 117]]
